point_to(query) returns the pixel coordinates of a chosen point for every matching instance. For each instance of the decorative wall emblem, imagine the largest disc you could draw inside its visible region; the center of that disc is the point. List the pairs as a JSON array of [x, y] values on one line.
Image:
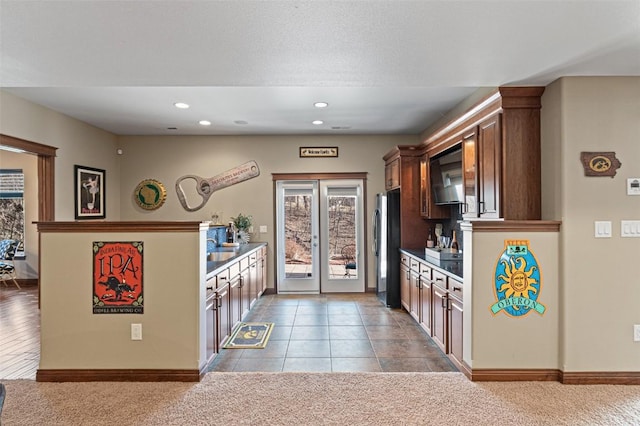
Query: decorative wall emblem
[[600, 163], [205, 187], [117, 277], [150, 194], [518, 281]]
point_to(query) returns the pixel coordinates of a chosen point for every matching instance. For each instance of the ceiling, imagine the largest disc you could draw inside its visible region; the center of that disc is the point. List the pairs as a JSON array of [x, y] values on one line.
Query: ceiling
[[257, 67]]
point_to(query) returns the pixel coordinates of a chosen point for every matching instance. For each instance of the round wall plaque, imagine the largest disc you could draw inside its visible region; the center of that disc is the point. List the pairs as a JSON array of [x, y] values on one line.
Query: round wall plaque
[[150, 194]]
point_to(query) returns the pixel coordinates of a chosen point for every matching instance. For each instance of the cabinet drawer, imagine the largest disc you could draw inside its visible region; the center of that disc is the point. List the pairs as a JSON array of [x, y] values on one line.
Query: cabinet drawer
[[414, 265], [404, 259], [211, 286], [425, 270], [440, 279], [455, 288], [234, 269]]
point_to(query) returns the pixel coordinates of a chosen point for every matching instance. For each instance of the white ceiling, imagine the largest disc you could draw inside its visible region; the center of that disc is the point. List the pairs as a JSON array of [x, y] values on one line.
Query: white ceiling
[[383, 66]]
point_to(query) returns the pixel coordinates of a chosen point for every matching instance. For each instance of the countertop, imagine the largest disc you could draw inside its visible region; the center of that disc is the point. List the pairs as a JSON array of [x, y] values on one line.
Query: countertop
[[449, 267], [240, 252]]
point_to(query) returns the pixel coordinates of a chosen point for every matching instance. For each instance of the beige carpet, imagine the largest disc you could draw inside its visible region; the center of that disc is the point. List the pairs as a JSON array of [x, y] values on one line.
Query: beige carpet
[[320, 399]]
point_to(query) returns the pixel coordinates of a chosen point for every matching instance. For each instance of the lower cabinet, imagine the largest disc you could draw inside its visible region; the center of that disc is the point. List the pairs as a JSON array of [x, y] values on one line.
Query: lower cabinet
[[229, 296], [435, 301]]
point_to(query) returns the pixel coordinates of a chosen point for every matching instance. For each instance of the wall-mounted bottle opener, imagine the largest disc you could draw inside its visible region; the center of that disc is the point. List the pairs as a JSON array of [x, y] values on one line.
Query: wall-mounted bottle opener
[[206, 187]]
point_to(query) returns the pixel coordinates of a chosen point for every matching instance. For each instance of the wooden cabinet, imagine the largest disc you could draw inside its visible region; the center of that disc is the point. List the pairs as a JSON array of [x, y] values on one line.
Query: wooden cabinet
[[428, 208], [426, 310], [415, 290], [406, 159], [223, 315], [500, 137], [439, 304], [455, 310], [435, 300], [211, 323], [405, 283], [392, 174]]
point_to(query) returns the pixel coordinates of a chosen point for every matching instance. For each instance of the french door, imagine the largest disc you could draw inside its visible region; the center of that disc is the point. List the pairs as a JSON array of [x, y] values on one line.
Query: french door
[[320, 236]]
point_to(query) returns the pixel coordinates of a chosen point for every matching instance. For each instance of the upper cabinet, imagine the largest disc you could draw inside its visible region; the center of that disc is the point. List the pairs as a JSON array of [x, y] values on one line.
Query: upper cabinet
[[392, 174], [500, 138], [428, 208]]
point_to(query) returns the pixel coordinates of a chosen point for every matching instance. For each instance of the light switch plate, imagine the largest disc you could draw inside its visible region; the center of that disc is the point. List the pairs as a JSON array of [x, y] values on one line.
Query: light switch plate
[[136, 331], [603, 229], [263, 229], [633, 186], [630, 228]]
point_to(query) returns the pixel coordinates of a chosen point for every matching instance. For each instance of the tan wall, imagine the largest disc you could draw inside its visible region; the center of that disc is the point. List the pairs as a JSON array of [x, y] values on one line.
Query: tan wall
[[168, 158], [75, 338], [501, 341], [78, 143], [27, 268], [601, 297]]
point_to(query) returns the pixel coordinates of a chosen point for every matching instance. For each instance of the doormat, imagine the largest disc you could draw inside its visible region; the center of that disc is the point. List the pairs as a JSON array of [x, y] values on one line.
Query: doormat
[[249, 335]]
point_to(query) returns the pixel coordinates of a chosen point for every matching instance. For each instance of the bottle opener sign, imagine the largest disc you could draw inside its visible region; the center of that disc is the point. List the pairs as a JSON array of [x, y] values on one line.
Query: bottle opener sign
[[206, 187]]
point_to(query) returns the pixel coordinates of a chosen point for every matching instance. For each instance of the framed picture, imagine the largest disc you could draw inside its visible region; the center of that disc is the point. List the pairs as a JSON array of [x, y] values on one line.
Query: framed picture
[[89, 193]]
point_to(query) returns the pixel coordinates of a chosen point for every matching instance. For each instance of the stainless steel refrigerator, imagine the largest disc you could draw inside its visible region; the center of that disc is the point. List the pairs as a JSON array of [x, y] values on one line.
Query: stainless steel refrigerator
[[386, 243]]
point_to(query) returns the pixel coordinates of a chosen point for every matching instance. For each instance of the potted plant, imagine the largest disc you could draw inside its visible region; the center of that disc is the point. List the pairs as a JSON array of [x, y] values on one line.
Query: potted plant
[[242, 224]]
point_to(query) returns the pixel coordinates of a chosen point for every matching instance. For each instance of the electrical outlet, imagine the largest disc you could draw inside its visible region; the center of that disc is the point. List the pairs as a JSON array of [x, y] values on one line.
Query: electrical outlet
[[636, 333], [136, 331]]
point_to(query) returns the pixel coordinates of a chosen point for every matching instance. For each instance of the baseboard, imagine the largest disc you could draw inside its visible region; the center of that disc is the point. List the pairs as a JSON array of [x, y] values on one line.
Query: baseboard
[[27, 282], [514, 375], [601, 378], [117, 375]]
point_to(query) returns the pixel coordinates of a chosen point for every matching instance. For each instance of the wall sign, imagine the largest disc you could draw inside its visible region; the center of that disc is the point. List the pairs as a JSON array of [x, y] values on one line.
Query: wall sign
[[311, 151], [600, 163], [518, 281], [117, 277], [150, 194]]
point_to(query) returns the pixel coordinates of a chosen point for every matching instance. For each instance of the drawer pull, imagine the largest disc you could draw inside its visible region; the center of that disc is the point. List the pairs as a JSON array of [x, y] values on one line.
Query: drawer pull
[[457, 288], [209, 288]]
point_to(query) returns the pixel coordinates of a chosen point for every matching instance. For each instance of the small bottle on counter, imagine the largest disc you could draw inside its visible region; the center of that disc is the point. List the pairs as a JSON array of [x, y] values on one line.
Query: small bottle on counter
[[454, 243], [430, 241], [231, 233]]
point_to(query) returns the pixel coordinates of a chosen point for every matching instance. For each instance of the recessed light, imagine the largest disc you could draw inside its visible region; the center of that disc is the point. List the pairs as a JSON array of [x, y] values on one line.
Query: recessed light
[[321, 104], [181, 105], [204, 122], [317, 122]]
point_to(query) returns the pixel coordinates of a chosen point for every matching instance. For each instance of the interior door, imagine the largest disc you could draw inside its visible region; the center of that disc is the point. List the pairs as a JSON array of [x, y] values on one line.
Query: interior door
[[297, 236], [342, 237]]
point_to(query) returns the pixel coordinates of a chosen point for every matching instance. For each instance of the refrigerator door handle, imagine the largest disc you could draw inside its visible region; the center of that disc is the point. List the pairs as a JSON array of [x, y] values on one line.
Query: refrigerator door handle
[[374, 247]]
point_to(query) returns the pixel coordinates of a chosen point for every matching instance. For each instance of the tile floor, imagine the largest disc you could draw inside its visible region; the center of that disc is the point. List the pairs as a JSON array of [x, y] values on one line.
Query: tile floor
[[333, 332]]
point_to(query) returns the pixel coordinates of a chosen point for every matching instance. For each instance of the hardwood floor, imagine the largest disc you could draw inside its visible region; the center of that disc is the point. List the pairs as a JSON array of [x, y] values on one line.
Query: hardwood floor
[[19, 332]]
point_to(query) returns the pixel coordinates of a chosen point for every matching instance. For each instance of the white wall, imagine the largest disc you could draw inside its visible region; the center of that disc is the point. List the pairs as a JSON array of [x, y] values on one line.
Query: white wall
[[168, 158], [601, 288], [77, 143]]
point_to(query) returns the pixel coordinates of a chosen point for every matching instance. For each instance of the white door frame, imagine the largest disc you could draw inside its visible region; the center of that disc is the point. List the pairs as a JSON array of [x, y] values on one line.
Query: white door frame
[[341, 283], [300, 284]]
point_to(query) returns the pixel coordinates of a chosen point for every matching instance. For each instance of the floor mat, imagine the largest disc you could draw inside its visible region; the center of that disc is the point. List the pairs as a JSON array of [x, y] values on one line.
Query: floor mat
[[249, 335]]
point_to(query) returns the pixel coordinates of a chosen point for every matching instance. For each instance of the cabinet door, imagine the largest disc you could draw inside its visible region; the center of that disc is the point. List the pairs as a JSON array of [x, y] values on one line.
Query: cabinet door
[[405, 287], [235, 301], [245, 284], [253, 280], [425, 303], [414, 302], [428, 209], [455, 329], [211, 327], [392, 174], [469, 167], [439, 326], [489, 166], [223, 317], [263, 269]]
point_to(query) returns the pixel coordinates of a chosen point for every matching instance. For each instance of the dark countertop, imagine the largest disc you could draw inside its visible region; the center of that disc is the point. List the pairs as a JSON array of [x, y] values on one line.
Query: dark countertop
[[452, 268], [240, 252]]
